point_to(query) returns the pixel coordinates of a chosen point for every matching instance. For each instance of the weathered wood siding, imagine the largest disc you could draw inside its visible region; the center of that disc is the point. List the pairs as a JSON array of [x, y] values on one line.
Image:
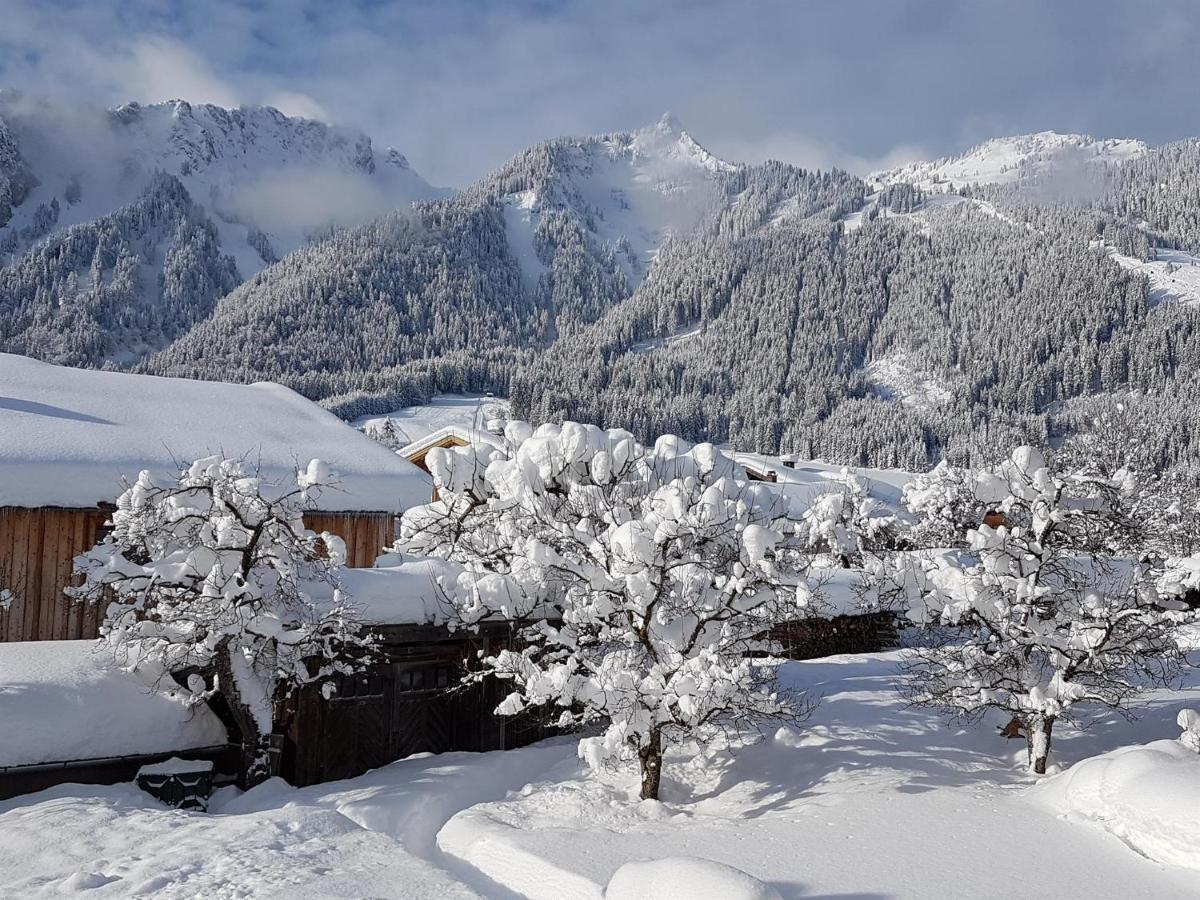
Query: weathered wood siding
[[38, 546], [409, 702], [816, 638], [365, 533]]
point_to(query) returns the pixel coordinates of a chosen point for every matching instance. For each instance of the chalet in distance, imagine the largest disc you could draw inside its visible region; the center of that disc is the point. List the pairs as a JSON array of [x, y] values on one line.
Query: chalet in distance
[[69, 436]]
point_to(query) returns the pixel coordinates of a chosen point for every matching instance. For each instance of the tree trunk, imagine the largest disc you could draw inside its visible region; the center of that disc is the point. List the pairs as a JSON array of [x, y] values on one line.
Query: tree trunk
[[254, 765], [1037, 734], [650, 757]]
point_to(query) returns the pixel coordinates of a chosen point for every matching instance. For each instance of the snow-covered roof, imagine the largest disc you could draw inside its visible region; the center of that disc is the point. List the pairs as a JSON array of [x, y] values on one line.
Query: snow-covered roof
[[804, 480], [68, 436], [63, 700], [405, 593], [459, 434]]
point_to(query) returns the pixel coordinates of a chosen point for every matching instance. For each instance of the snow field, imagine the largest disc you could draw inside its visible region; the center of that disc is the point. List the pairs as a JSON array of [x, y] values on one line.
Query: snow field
[[867, 799]]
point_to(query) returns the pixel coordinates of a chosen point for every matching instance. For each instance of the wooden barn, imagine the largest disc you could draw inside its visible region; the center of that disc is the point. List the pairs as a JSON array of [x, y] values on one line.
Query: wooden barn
[[409, 702], [69, 436]]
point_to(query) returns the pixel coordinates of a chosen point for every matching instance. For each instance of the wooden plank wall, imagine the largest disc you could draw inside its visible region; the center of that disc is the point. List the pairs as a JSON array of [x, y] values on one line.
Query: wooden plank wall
[[37, 547], [365, 533]]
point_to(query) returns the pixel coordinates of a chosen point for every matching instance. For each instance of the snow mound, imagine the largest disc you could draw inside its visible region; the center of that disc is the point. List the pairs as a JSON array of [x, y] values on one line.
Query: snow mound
[[66, 700], [685, 878], [1145, 795]]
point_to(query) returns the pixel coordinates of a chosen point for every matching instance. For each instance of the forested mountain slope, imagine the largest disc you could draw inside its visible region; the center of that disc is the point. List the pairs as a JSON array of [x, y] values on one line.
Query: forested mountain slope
[[255, 185], [943, 308]]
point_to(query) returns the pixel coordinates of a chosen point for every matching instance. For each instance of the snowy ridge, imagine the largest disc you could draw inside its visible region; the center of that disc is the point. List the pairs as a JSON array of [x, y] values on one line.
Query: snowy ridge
[[633, 190], [1003, 160], [266, 179]]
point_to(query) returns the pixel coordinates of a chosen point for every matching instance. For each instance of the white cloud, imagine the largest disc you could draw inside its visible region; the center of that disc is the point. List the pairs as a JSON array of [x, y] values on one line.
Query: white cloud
[[161, 68], [459, 86], [292, 103]]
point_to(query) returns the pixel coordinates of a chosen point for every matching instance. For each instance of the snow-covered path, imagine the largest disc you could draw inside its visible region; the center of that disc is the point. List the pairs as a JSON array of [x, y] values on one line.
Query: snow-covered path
[[867, 800], [372, 836]]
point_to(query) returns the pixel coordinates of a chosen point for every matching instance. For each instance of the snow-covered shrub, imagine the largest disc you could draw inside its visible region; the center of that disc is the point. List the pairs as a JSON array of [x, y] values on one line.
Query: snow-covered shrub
[[848, 522], [205, 576], [1045, 618], [646, 576], [945, 503]]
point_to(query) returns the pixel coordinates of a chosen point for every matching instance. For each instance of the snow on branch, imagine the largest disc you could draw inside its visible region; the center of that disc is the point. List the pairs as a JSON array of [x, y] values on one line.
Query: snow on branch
[[207, 577], [646, 577]]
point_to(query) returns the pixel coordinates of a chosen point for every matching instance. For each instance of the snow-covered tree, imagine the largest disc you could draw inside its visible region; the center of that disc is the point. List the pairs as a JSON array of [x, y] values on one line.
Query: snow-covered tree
[[646, 576], [848, 521], [208, 578], [945, 504], [1041, 617], [385, 433]]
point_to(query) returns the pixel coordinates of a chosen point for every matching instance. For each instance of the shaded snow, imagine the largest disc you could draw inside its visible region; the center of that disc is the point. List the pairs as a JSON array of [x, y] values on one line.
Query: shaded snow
[[1147, 796], [68, 436], [67, 700], [868, 798]]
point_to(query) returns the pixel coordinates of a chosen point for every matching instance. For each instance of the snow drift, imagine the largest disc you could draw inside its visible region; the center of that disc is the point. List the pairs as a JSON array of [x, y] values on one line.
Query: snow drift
[[1145, 795]]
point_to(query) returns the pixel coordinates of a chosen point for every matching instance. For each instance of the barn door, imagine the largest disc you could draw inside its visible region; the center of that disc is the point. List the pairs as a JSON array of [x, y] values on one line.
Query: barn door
[[424, 718]]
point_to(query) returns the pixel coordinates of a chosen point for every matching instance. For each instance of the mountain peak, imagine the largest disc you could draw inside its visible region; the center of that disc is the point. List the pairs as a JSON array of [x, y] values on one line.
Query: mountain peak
[[668, 123], [667, 139]]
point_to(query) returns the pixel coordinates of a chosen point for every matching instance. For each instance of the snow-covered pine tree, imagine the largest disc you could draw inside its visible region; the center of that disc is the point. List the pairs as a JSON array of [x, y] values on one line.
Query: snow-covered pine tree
[[645, 576], [1042, 616], [206, 578]]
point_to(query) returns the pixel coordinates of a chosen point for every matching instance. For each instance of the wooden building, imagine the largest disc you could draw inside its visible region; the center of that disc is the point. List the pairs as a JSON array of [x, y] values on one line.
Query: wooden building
[[446, 437], [410, 701], [68, 437]]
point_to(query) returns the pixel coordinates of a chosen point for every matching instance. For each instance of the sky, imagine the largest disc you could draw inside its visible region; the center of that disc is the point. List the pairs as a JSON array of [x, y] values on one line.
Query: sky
[[459, 86]]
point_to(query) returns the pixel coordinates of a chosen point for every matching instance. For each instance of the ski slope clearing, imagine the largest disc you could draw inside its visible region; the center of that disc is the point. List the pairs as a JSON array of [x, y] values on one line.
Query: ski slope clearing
[[867, 799], [1173, 274], [670, 340], [895, 377], [411, 423]]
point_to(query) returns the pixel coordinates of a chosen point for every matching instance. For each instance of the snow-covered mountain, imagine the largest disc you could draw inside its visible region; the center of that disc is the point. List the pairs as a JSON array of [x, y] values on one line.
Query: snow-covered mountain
[[267, 181], [1009, 159], [630, 191], [632, 277]]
